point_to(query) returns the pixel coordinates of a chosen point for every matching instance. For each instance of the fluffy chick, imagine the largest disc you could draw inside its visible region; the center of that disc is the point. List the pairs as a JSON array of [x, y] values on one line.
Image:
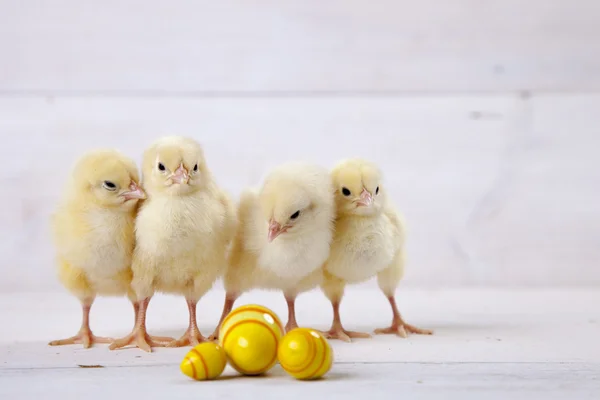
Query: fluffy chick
[[283, 235], [182, 234], [93, 232], [369, 241]]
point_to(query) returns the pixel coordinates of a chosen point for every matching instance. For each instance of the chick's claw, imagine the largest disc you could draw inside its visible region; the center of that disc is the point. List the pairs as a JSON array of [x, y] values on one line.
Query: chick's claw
[[400, 328], [140, 339], [161, 339], [190, 338], [85, 337], [344, 335]]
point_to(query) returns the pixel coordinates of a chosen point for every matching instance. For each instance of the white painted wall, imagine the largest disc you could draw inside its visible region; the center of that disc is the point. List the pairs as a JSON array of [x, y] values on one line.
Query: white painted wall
[[484, 115]]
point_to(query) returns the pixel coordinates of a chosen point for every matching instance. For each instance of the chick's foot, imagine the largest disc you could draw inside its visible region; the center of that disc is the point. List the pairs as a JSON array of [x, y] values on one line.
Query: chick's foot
[[140, 339], [214, 337], [84, 336], [290, 325], [227, 307], [337, 331], [191, 337], [401, 328]]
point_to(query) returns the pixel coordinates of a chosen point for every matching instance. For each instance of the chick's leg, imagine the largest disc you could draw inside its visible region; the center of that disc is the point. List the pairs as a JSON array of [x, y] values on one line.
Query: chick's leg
[[138, 337], [85, 335], [399, 327], [136, 311], [201, 284], [192, 335], [291, 304], [230, 299], [334, 290], [337, 331], [388, 280]]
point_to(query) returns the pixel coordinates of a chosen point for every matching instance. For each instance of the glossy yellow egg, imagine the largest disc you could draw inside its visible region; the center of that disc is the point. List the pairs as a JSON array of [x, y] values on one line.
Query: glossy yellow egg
[[205, 361], [250, 335], [305, 353]]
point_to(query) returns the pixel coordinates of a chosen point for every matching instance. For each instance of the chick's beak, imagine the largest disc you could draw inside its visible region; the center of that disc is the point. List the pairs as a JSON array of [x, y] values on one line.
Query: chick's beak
[[180, 175], [135, 192], [275, 230], [366, 198]]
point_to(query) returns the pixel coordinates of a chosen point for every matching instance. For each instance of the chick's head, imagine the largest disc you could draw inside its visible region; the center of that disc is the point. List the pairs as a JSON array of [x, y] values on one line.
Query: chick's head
[[358, 187], [297, 199], [175, 165], [107, 178]]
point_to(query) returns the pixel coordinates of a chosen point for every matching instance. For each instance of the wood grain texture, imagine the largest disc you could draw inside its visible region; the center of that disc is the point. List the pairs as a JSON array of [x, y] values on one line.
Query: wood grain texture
[[496, 190], [125, 47], [429, 148], [475, 381]]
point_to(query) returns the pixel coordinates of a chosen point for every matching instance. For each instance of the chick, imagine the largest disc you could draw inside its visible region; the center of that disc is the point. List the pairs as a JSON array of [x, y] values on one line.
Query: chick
[[93, 232], [283, 236], [182, 234], [369, 241]]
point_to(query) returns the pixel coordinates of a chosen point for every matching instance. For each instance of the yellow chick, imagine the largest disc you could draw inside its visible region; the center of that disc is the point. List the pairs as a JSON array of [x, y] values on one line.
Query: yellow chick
[[283, 236], [93, 231], [183, 230], [368, 242]]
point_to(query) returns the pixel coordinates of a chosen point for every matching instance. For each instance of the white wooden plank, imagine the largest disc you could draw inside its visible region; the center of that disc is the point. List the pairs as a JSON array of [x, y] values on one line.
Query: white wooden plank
[[542, 210], [381, 381], [496, 190], [440, 155], [152, 47]]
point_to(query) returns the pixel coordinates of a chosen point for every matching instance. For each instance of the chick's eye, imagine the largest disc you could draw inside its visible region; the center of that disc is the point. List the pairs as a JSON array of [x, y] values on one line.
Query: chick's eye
[[109, 185], [345, 192], [196, 168], [161, 167], [377, 190], [295, 215]]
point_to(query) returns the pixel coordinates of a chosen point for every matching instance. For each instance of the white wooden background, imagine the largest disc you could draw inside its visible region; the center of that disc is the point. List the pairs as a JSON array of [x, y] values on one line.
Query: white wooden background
[[484, 114]]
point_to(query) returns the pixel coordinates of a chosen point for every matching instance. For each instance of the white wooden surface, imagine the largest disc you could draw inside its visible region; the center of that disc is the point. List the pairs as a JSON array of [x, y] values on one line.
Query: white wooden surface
[[190, 46], [522, 344], [517, 381]]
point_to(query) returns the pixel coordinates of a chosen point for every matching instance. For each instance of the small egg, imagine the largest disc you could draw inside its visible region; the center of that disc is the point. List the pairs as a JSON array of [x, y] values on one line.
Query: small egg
[[204, 362], [305, 353]]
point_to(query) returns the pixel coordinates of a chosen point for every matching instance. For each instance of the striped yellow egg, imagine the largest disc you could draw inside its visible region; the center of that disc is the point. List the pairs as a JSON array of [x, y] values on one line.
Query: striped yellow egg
[[250, 335], [304, 353], [205, 361]]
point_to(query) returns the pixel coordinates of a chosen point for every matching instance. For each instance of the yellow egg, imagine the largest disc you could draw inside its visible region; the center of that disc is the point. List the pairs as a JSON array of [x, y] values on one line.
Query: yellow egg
[[205, 361], [304, 353], [250, 335]]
